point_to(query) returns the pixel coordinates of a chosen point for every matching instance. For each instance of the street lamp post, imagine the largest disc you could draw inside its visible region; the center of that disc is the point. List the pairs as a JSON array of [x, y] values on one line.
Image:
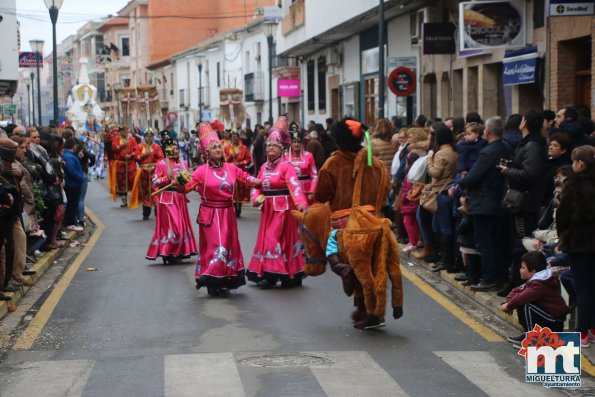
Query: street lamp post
[[54, 6], [32, 121], [37, 47], [269, 28], [28, 101], [200, 89]]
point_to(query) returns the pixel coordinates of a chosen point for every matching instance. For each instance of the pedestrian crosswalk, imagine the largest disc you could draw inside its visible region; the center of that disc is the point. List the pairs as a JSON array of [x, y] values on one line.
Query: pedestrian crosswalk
[[335, 374]]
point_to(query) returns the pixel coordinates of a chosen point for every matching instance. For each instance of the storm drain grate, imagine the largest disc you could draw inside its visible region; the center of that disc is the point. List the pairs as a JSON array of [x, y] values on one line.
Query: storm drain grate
[[286, 360]]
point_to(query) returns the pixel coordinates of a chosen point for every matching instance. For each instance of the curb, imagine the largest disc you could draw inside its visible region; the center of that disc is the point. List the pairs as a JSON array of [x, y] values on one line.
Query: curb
[[41, 266], [488, 300]]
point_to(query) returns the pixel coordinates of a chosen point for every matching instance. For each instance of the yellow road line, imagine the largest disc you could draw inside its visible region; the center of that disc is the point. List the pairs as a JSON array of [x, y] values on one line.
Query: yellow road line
[[586, 365], [456, 311], [31, 333]]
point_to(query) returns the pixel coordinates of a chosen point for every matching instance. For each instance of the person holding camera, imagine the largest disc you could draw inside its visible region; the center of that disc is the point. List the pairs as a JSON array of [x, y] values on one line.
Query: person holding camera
[[484, 184], [525, 178]]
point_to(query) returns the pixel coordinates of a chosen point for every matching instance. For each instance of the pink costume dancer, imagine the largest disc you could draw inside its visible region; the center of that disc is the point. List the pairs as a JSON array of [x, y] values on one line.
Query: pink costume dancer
[[220, 265], [173, 238], [278, 251], [303, 162]]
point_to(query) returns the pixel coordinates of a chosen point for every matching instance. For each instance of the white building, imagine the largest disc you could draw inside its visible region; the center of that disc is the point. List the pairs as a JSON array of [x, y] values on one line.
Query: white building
[[236, 59], [336, 46]]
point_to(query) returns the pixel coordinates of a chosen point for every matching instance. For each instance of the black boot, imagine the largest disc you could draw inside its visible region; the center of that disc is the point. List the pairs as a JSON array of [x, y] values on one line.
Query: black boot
[[146, 212], [344, 271], [446, 254]]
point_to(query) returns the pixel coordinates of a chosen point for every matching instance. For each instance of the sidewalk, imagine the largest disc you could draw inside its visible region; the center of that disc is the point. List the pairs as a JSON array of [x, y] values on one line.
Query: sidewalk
[[489, 300], [41, 266]]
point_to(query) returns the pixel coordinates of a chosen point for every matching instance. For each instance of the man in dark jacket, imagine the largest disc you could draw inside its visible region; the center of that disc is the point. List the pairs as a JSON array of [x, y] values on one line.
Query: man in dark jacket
[[526, 176], [485, 186], [567, 121]]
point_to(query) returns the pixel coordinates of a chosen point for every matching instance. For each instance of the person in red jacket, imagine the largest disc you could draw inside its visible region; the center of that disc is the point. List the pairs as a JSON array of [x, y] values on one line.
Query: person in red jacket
[[124, 152], [538, 301]]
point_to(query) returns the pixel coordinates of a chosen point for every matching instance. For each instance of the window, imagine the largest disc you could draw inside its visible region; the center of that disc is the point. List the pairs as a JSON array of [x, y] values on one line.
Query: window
[[310, 76], [322, 83], [218, 74], [125, 46], [248, 62]]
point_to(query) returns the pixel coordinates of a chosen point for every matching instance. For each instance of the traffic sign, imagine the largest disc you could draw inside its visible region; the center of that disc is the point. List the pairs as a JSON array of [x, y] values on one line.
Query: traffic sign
[[402, 81]]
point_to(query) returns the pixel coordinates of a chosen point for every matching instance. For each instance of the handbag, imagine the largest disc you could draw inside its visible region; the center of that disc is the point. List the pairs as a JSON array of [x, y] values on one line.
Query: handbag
[[513, 200], [54, 194], [418, 171], [429, 199], [414, 194]]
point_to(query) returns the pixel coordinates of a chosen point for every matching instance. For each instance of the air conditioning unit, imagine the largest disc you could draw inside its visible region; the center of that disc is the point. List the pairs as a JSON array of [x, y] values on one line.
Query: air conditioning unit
[[416, 22], [334, 57]]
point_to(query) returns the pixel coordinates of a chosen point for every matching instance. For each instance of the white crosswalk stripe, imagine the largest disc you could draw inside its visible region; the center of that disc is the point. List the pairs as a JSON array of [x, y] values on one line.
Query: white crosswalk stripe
[[48, 379], [483, 370], [333, 374], [188, 374], [353, 374]]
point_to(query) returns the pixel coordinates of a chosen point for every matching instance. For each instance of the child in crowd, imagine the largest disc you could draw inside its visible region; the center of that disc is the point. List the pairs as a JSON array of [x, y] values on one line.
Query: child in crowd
[[468, 149], [469, 254], [538, 301], [409, 205]]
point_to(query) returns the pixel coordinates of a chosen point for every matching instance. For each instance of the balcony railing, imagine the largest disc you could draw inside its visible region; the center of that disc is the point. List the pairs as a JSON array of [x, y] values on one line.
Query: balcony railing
[[254, 86]]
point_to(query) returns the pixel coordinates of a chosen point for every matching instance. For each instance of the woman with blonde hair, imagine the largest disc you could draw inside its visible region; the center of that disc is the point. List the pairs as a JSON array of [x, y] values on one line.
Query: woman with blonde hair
[[382, 148]]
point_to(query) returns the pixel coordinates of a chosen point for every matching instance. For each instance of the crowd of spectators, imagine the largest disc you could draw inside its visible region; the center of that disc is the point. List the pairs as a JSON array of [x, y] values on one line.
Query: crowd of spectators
[[38, 169], [507, 205]]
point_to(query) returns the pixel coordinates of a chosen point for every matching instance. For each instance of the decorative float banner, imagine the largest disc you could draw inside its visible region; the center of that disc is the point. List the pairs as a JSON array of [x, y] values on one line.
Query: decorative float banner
[[492, 24]]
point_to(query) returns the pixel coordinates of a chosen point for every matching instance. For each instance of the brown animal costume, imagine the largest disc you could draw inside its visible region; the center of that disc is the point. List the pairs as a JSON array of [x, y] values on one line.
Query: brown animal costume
[[355, 191]]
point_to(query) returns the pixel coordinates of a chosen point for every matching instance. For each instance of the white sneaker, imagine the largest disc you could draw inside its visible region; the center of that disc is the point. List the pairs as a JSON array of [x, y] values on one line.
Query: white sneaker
[[409, 248], [74, 228]]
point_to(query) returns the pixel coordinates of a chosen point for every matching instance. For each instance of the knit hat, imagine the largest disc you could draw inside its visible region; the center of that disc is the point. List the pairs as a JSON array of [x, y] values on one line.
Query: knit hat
[[207, 137]]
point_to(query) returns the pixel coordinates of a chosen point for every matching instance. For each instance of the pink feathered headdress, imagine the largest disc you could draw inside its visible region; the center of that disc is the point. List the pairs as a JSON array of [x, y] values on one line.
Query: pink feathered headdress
[[207, 137], [278, 135]]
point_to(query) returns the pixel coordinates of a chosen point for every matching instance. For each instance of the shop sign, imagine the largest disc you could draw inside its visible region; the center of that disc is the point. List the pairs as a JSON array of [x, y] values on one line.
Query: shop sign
[[492, 24], [27, 59], [561, 8], [288, 88], [520, 69], [439, 38]]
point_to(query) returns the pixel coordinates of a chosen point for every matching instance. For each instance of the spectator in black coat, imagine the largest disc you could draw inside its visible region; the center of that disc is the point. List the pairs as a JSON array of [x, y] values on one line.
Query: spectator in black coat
[[485, 185], [567, 121], [558, 156], [575, 222], [512, 134], [526, 174]]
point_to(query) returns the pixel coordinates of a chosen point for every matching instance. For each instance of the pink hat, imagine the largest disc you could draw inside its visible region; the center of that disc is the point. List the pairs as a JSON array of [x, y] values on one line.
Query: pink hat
[[278, 134], [207, 137]]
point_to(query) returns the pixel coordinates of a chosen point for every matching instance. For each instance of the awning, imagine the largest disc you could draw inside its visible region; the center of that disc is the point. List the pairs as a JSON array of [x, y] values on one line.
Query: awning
[[520, 66]]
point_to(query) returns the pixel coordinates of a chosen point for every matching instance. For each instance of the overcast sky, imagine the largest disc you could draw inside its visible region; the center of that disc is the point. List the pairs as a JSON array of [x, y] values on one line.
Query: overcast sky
[[35, 21]]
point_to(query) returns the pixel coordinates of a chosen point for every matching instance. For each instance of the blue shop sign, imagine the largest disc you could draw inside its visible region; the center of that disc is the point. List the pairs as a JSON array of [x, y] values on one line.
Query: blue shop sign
[[520, 69]]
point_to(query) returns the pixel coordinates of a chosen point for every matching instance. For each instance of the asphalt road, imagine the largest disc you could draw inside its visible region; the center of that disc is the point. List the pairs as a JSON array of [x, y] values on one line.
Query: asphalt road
[[139, 328]]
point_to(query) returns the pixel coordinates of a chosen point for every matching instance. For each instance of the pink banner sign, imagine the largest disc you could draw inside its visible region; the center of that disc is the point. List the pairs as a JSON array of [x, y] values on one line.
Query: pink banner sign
[[288, 88]]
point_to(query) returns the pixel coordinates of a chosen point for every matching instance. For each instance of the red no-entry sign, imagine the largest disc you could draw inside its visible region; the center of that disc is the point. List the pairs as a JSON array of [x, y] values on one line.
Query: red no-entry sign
[[402, 81]]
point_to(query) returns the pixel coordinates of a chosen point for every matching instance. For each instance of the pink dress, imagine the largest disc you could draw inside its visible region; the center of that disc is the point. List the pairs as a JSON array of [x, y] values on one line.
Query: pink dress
[[305, 169], [220, 263], [278, 251], [173, 237]]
